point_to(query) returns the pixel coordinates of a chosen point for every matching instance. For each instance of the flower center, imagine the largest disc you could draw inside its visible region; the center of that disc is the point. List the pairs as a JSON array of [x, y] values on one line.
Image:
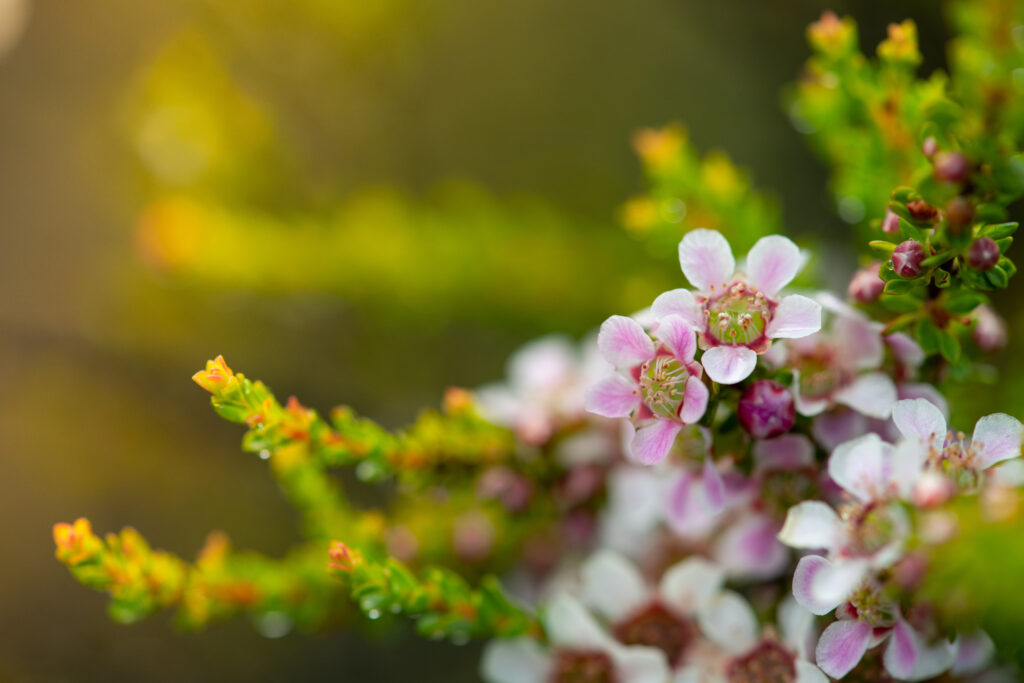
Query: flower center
[[820, 372], [871, 529], [582, 667], [663, 384], [769, 662], [739, 315], [657, 627]]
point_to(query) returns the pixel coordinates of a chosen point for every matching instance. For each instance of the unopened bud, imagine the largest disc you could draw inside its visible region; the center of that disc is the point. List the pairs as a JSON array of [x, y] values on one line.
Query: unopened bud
[[983, 253], [951, 167], [929, 147], [922, 210], [891, 223], [989, 329], [865, 285], [959, 215], [906, 260], [766, 409]]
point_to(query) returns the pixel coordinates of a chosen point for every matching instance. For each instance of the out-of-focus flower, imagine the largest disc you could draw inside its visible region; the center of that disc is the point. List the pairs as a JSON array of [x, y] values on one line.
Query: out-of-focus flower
[[989, 329], [983, 254], [766, 409], [657, 385], [865, 285], [737, 316]]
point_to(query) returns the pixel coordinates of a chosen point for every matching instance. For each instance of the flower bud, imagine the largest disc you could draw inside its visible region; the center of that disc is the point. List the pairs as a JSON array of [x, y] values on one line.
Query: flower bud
[[922, 210], [951, 167], [766, 409], [989, 329], [983, 253], [959, 215], [891, 223], [906, 260], [929, 147], [865, 285]]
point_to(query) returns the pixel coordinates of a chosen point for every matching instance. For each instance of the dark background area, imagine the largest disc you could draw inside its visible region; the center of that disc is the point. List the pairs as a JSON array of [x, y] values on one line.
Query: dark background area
[[98, 417]]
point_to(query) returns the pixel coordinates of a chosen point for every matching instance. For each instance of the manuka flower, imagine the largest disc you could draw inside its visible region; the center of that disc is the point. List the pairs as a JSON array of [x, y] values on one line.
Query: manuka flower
[[738, 315], [657, 384]]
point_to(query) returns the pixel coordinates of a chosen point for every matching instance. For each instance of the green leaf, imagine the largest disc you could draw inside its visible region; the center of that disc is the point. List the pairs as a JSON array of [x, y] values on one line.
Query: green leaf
[[928, 336], [963, 302], [904, 194], [997, 277], [881, 248], [937, 259], [910, 231], [998, 231], [949, 346], [899, 286]]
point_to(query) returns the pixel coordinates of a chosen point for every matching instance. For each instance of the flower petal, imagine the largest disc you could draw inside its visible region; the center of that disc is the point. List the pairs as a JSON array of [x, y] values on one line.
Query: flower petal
[[862, 466], [613, 586], [872, 394], [786, 452], [706, 259], [919, 419], [842, 646], [613, 396], [639, 664], [652, 442], [679, 302], [837, 427], [685, 511], [688, 586], [623, 342], [808, 673], [749, 550], [729, 364], [714, 488], [518, 660], [729, 622], [571, 626], [973, 653], [820, 586], [677, 335], [996, 438], [796, 316], [772, 263], [695, 401], [901, 654], [796, 625], [811, 524]]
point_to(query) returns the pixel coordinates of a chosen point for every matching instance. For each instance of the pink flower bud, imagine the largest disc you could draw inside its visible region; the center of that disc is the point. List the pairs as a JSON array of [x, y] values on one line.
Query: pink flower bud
[[989, 329], [929, 147], [951, 167], [983, 254], [906, 260], [959, 215], [766, 409], [891, 223], [865, 285]]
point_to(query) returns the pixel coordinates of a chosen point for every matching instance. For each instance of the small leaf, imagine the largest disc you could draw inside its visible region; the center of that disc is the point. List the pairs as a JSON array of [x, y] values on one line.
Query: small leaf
[[937, 259], [928, 336], [949, 346], [998, 231], [910, 232], [899, 286], [963, 302], [882, 248], [997, 277]]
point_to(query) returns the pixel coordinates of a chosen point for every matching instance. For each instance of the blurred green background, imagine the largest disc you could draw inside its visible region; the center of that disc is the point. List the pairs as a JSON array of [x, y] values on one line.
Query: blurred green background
[[435, 118]]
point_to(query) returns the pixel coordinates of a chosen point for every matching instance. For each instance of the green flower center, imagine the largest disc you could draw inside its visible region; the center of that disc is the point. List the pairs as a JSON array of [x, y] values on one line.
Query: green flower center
[[663, 385], [740, 316]]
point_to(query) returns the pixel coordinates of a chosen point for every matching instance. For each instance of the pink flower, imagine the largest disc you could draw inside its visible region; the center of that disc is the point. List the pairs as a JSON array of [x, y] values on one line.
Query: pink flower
[[657, 383], [738, 316]]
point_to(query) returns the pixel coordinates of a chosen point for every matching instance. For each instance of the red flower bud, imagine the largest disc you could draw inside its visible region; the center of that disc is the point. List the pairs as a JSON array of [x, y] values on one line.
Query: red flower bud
[[951, 167], [983, 254], [959, 215], [922, 210], [766, 409], [906, 260]]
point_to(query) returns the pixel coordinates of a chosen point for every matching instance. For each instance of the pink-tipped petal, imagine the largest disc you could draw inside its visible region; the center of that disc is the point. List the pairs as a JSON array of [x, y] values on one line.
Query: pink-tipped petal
[[786, 452], [677, 335], [862, 466], [901, 654], [921, 420], [749, 551], [820, 586], [926, 391], [706, 259], [652, 442], [729, 364], [842, 646], [773, 263], [714, 488], [811, 524], [695, 401], [623, 342], [996, 438], [837, 427], [679, 302], [796, 316], [973, 653], [613, 396], [906, 350], [685, 513], [872, 394], [612, 585]]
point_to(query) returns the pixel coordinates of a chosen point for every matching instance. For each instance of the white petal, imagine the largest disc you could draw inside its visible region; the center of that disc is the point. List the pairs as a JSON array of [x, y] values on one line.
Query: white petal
[[796, 625], [973, 653], [796, 316], [571, 626], [623, 342], [907, 657], [688, 586], [639, 664], [773, 263], [808, 673], [613, 586], [543, 364], [905, 349], [520, 660], [842, 646], [729, 364], [820, 586], [919, 419], [653, 441], [706, 259], [679, 302], [873, 395], [729, 621], [926, 391], [695, 401], [811, 524], [614, 396], [997, 437], [860, 341], [677, 334], [862, 466]]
